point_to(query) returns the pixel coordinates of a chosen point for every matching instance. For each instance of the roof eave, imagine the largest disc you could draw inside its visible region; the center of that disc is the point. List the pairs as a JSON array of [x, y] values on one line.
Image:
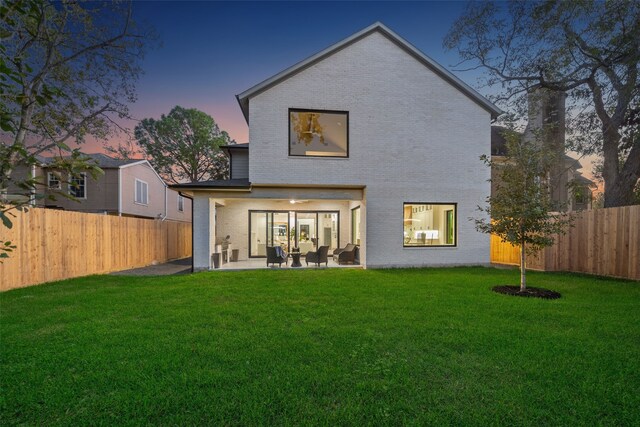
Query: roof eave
[[243, 98]]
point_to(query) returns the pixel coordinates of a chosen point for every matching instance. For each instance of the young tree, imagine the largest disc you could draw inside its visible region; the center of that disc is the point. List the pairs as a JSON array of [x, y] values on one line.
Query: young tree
[[520, 209], [67, 70], [588, 49], [184, 145]]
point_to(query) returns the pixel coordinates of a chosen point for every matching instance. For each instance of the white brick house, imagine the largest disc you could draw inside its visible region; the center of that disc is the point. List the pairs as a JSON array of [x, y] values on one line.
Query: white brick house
[[368, 123]]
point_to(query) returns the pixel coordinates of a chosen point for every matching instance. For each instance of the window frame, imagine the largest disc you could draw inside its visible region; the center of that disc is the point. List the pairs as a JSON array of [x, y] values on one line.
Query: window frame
[[295, 213], [455, 224], [56, 178], [84, 186], [180, 203], [135, 192], [315, 110], [355, 241]]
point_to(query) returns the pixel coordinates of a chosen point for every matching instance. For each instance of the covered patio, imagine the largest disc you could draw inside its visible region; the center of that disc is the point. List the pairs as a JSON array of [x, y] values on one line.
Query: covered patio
[[235, 225]]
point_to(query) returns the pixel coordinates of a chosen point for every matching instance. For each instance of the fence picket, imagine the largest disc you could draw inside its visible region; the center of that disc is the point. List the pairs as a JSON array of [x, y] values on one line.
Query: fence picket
[[54, 245]]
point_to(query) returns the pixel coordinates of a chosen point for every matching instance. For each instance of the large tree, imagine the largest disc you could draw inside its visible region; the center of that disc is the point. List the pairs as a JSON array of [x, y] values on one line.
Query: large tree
[[589, 49], [67, 72], [519, 210], [184, 145]]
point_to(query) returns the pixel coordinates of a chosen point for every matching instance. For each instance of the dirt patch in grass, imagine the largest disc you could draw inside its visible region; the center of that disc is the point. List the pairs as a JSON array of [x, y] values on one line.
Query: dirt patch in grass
[[529, 292]]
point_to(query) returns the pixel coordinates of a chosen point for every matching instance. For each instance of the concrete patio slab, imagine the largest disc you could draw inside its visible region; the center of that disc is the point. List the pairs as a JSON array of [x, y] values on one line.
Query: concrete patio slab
[[178, 266]]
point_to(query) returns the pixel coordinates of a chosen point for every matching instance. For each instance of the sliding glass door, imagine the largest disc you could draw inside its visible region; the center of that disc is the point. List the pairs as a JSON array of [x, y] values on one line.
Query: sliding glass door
[[328, 229], [267, 228], [317, 228], [306, 230]]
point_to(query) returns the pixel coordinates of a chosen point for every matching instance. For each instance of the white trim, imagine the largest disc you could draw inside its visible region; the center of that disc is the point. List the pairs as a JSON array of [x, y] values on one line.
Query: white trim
[[139, 162], [49, 175], [69, 186], [243, 98], [119, 192], [32, 202], [135, 192], [150, 166]]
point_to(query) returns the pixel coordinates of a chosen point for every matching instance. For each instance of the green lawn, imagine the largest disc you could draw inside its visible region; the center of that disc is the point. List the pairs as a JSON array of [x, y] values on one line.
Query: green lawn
[[432, 346]]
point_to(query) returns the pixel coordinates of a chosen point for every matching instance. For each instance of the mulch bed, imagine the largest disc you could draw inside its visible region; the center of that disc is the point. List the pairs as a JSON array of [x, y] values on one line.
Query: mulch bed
[[529, 292]]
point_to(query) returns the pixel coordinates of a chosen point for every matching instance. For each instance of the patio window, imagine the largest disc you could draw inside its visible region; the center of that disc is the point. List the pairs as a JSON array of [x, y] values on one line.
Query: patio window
[[430, 224], [141, 193], [318, 133], [78, 186], [355, 225]]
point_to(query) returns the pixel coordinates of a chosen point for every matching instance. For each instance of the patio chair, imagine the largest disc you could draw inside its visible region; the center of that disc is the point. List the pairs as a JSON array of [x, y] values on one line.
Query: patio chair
[[318, 257], [273, 257], [346, 254]]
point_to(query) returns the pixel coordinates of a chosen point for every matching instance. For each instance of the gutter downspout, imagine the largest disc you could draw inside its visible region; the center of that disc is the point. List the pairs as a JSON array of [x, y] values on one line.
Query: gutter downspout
[[192, 230]]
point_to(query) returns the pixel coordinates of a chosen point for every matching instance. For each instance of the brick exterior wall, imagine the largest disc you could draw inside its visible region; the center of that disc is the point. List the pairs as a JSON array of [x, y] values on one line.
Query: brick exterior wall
[[412, 138]]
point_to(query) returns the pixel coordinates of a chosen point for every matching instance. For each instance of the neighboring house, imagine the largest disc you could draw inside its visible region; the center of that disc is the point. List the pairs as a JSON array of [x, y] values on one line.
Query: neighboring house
[[369, 141], [569, 189], [127, 188]]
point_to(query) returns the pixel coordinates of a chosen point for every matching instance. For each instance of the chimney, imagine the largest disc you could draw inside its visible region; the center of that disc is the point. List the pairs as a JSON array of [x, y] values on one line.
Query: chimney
[[547, 120]]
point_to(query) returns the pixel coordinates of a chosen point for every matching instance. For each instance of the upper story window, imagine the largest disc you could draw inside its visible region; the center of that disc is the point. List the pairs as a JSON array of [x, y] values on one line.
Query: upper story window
[[430, 224], [78, 186], [53, 181], [318, 133], [180, 203], [142, 192]]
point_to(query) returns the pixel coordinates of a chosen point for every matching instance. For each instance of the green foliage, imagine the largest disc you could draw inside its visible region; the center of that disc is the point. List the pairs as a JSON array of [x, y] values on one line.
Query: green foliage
[[325, 347], [184, 145], [6, 247], [67, 70], [520, 210], [588, 49]]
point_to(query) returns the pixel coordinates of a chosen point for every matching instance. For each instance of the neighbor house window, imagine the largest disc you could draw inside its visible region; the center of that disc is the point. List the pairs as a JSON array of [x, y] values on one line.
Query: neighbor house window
[[142, 192], [180, 203], [53, 181], [78, 186], [318, 133], [430, 224]]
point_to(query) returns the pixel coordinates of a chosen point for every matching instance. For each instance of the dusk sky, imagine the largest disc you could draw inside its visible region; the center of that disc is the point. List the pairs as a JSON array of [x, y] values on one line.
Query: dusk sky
[[212, 51]]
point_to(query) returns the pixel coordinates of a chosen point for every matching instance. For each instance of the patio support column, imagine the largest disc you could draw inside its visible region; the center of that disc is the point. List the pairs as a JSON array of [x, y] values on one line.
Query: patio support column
[[204, 232], [363, 231]]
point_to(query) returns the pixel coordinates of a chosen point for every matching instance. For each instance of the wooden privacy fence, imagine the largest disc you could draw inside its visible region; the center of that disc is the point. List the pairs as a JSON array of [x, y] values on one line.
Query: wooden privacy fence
[[55, 245], [605, 242]]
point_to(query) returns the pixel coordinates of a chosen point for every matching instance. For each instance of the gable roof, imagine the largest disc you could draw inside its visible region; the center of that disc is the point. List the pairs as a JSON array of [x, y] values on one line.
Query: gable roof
[[243, 98], [102, 161]]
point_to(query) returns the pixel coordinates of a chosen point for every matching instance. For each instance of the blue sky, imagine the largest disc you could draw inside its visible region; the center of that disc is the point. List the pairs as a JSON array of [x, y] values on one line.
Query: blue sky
[[211, 51]]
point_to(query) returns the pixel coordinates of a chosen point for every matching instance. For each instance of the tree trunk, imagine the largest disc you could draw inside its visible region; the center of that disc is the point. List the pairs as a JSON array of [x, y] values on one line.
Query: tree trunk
[[619, 180], [619, 186], [523, 268]]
